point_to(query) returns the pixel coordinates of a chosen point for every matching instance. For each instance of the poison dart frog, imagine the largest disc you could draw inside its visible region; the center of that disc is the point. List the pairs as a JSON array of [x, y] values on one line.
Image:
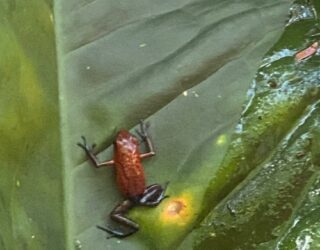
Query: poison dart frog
[[129, 176]]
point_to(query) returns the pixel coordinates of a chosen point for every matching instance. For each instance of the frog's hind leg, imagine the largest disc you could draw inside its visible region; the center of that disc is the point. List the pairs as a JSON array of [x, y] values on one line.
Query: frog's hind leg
[[153, 195], [117, 215]]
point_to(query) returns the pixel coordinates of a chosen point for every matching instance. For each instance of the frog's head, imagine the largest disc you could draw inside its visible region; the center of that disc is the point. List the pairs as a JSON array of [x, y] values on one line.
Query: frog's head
[[126, 139]]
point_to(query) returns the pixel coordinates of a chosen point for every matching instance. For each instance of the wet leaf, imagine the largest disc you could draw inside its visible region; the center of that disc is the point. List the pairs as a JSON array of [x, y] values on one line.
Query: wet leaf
[[183, 66], [278, 145]]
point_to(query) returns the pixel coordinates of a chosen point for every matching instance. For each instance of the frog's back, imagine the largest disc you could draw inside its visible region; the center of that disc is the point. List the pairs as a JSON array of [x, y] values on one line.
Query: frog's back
[[129, 170]]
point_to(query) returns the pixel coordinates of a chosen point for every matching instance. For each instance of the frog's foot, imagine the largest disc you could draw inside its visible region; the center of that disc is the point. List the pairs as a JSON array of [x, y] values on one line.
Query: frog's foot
[[143, 132], [113, 233], [84, 145], [89, 151]]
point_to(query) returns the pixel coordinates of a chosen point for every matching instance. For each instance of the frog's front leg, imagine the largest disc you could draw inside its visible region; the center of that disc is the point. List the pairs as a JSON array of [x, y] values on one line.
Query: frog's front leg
[[118, 215], [153, 195], [144, 135], [94, 159]]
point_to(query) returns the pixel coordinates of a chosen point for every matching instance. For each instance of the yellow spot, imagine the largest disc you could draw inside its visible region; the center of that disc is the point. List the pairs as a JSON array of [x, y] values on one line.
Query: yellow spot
[[175, 207], [18, 183], [185, 93], [222, 139], [142, 45], [177, 210]]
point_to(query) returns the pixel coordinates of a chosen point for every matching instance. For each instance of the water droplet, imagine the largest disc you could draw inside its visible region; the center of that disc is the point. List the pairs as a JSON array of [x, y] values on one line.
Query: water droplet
[[195, 94], [239, 128], [77, 244], [231, 210], [142, 45], [303, 242], [212, 234]]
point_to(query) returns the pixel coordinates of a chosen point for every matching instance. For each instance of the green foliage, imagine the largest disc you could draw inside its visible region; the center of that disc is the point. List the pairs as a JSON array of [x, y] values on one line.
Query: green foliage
[[275, 206], [31, 164], [185, 66]]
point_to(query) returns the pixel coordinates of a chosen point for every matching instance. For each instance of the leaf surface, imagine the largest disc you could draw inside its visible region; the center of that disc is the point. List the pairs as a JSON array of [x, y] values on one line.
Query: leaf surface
[[185, 66]]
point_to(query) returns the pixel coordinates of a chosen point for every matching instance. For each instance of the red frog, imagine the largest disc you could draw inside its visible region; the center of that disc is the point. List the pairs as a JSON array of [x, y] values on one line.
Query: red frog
[[130, 177]]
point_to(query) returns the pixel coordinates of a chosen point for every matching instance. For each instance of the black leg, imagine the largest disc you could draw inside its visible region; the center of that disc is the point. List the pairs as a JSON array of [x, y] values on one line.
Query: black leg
[[117, 215], [153, 195], [116, 233], [143, 133], [94, 159]]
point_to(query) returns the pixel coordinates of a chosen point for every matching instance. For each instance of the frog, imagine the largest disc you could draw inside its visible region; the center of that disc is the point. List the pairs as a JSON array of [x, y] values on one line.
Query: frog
[[130, 177]]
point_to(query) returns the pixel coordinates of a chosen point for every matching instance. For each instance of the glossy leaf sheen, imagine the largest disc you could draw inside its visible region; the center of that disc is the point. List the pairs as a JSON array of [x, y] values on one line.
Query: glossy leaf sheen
[[275, 206], [183, 65]]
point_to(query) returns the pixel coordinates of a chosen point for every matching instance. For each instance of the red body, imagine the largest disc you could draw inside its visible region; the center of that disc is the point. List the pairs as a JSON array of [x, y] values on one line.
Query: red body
[[129, 170]]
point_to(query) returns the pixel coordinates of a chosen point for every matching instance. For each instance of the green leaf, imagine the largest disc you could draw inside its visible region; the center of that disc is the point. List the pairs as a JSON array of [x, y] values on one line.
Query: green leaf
[[31, 164], [185, 66], [278, 143]]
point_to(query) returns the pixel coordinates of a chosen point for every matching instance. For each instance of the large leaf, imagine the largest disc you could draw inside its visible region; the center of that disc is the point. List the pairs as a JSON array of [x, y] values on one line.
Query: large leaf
[[183, 65], [31, 170], [276, 206]]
